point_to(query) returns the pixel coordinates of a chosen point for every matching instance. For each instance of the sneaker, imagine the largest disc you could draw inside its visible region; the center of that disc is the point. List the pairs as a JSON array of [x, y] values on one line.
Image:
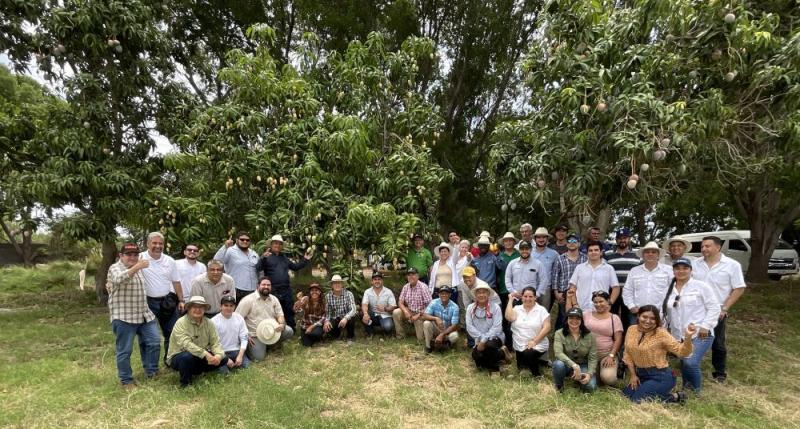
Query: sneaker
[[679, 397]]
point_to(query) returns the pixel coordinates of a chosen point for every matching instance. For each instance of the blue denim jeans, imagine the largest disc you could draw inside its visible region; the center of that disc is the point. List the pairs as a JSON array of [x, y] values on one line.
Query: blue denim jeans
[[231, 355], [654, 384], [561, 372], [149, 347], [384, 323], [690, 365]]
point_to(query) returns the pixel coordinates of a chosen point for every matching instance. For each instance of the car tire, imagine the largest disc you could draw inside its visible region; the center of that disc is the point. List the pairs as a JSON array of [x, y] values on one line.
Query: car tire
[[775, 277]]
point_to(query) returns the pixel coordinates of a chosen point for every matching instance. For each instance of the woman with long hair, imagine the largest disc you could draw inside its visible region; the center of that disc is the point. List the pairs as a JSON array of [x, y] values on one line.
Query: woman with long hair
[[646, 347], [607, 330], [575, 350], [691, 301], [312, 310]]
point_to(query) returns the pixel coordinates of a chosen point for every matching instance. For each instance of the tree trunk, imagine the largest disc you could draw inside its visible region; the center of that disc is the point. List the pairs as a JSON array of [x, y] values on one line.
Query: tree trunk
[[25, 249], [109, 256]]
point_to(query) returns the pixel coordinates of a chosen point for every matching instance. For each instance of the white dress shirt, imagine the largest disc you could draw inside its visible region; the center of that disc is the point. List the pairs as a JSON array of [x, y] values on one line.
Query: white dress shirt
[[588, 279], [158, 277], [697, 304], [725, 276], [645, 286]]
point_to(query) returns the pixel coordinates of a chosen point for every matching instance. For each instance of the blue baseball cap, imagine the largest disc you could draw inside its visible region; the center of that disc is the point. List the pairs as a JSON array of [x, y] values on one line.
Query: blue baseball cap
[[682, 261], [623, 232]]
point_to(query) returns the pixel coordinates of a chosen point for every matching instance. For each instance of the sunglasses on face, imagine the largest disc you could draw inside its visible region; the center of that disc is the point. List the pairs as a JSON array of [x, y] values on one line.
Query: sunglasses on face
[[246, 240], [572, 240], [192, 250]]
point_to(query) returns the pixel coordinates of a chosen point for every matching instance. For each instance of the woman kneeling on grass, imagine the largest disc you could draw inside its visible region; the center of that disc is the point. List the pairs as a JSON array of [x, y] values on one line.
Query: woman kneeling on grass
[[312, 308], [530, 324], [575, 350], [485, 326], [607, 330], [646, 348]]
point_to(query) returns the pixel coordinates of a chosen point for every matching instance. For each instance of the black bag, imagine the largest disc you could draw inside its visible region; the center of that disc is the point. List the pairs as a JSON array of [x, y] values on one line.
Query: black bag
[[169, 303]]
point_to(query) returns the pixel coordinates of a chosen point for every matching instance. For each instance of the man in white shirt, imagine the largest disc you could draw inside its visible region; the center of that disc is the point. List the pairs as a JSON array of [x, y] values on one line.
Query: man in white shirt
[[647, 283], [189, 268], [593, 275], [727, 280], [377, 306], [233, 335], [162, 284]]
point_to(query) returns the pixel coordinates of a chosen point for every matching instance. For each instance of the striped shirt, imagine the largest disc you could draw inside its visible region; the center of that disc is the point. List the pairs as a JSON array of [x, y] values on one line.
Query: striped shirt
[[622, 263], [341, 306], [416, 298], [563, 268], [126, 299]]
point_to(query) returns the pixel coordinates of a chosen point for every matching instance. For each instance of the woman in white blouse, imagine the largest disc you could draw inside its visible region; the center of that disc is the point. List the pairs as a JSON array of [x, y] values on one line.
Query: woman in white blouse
[[443, 272], [691, 302], [530, 324], [463, 257]]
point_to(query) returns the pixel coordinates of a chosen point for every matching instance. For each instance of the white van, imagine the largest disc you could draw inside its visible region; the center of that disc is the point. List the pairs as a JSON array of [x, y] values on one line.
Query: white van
[[736, 245]]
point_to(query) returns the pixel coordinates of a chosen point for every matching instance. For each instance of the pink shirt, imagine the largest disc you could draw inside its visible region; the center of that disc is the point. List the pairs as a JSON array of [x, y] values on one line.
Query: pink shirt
[[602, 330]]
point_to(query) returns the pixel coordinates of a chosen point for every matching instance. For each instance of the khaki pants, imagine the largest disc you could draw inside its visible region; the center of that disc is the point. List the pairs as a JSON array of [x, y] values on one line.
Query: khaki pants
[[431, 331], [399, 326]]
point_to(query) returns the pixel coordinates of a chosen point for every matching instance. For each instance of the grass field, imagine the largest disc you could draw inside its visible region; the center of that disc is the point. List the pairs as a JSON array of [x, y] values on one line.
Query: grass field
[[57, 368]]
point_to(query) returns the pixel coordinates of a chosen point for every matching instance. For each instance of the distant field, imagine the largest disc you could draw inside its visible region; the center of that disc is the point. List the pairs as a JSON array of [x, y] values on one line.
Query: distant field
[[57, 368]]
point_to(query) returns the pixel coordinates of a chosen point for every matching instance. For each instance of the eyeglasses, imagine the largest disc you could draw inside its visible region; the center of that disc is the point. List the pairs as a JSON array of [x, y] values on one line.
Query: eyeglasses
[[572, 240], [677, 299], [193, 250]]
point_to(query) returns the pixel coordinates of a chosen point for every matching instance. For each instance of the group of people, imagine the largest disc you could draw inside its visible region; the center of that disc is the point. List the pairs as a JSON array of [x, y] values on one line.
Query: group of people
[[611, 303]]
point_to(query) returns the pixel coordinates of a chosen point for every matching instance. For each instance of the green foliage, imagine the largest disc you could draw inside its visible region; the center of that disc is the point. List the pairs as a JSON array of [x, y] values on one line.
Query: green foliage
[[288, 153]]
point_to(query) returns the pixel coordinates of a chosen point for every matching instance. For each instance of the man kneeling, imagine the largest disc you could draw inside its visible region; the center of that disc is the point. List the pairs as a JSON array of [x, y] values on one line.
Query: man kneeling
[[194, 346], [263, 315], [232, 333], [441, 322]]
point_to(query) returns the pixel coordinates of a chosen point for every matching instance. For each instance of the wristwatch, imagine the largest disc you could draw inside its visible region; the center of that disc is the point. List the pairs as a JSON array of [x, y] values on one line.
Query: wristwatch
[[611, 355]]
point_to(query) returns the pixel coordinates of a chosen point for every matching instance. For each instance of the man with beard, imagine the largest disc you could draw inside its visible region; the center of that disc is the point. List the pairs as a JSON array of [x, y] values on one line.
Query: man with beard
[[623, 260], [240, 263], [275, 265], [213, 286], [189, 268], [163, 286], [260, 307]]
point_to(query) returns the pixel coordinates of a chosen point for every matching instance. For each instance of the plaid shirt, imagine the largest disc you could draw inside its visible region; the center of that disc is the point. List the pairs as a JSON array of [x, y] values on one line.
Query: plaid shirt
[[342, 306], [563, 267], [416, 298], [126, 299], [448, 315]]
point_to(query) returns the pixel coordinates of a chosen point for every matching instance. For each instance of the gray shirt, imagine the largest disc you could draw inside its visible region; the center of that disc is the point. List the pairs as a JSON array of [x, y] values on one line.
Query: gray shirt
[[481, 326], [521, 274], [213, 293], [239, 265]]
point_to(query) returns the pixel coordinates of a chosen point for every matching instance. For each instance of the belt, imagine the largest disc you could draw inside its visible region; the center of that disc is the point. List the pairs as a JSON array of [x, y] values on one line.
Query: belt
[[157, 298]]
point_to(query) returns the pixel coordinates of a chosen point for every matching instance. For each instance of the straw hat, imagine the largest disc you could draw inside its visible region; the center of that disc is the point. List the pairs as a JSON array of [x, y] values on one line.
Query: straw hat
[[508, 235], [685, 242], [541, 231], [439, 247], [650, 246], [197, 300], [267, 333]]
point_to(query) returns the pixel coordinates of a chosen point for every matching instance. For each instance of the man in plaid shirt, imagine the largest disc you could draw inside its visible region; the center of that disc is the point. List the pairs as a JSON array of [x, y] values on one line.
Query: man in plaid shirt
[[414, 299], [563, 267], [130, 315], [341, 309]]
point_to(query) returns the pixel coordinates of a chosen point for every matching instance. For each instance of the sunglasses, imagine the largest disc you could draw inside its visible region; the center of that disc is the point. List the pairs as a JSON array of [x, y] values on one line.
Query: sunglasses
[[572, 240], [677, 299], [246, 240]]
